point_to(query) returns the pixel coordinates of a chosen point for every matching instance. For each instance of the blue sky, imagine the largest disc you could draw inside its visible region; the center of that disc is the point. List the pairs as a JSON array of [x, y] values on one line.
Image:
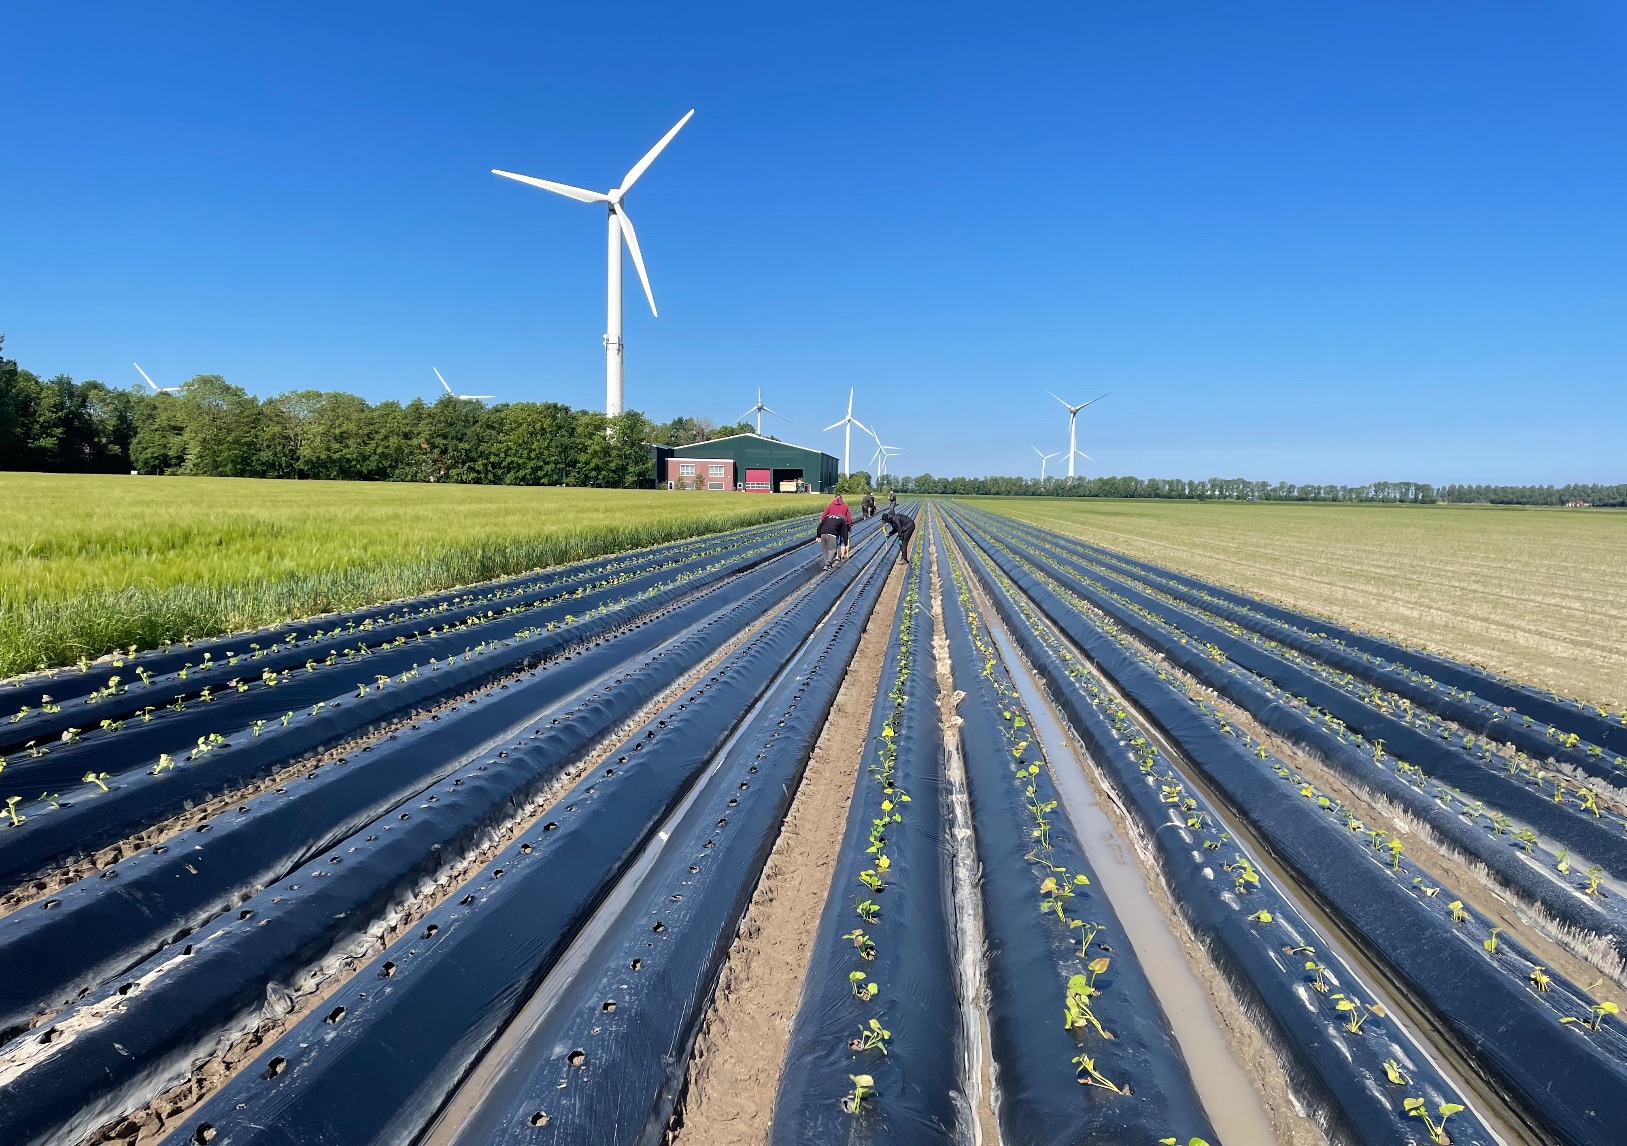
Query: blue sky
[[1336, 241]]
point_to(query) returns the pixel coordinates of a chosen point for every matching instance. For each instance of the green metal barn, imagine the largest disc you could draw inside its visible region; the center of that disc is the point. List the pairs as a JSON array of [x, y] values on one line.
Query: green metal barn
[[746, 461]]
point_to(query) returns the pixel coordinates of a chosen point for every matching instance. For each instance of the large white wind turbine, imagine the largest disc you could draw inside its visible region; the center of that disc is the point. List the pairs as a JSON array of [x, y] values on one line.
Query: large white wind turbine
[[157, 389], [759, 409], [1073, 420], [849, 421], [620, 225], [1045, 458], [465, 397]]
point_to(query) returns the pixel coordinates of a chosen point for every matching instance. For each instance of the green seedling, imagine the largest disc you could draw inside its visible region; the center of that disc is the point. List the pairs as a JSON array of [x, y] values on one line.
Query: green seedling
[[97, 778], [70, 736], [1527, 839], [863, 1087], [1262, 916], [1594, 875], [1090, 1076], [286, 717], [1437, 1129], [1318, 975], [1393, 1071], [17, 818], [1491, 944], [868, 910], [862, 990], [1599, 1011], [1540, 979], [1177, 1142], [1563, 862], [870, 879], [254, 729], [165, 762], [50, 798], [866, 946], [871, 1037], [1459, 915], [1395, 847], [1356, 1012], [1076, 1008], [1088, 936]]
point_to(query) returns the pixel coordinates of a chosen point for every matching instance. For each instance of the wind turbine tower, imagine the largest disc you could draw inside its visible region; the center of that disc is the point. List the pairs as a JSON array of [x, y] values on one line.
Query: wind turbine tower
[[1073, 425], [1043, 459], [620, 225], [849, 421]]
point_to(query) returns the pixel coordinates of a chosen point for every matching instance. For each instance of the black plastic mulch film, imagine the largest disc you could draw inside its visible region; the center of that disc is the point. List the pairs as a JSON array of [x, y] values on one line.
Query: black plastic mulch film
[[214, 660], [1549, 707], [264, 685], [884, 950], [1495, 1001], [1068, 1002], [1521, 854], [1469, 712], [170, 1009], [101, 925], [1575, 819], [378, 1058], [150, 786]]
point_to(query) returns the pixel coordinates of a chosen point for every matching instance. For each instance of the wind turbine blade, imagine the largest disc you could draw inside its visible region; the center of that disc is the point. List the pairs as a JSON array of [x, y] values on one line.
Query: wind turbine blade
[[143, 373], [747, 416], [863, 427], [1093, 401], [443, 382], [638, 259], [834, 426], [778, 415], [579, 194], [477, 397], [649, 157], [1058, 399], [1084, 455]]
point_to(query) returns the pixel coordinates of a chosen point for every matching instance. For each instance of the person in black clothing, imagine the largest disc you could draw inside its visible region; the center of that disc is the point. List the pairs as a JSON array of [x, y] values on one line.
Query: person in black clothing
[[832, 534], [901, 526], [868, 505], [892, 501]]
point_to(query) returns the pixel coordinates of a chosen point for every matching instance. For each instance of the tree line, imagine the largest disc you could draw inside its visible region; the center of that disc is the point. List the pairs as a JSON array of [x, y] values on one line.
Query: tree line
[[212, 428]]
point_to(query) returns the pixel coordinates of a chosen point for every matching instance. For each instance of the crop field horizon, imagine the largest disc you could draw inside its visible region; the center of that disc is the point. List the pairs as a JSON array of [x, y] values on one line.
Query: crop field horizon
[[1539, 594], [93, 563]]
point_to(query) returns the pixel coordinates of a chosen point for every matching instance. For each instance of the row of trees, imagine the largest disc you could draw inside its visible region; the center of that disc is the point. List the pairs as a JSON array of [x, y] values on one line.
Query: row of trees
[[1587, 493], [212, 428]]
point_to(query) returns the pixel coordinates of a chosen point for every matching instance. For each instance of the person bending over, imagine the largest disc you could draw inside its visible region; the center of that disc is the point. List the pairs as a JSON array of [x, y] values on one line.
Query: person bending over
[[901, 526], [838, 508], [868, 505]]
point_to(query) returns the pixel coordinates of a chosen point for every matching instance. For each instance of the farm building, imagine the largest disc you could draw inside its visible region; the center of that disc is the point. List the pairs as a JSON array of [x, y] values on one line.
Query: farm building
[[749, 461]]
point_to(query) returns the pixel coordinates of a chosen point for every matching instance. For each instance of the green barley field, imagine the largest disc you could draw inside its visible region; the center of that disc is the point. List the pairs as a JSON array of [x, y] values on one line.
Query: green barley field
[[90, 563], [1537, 593]]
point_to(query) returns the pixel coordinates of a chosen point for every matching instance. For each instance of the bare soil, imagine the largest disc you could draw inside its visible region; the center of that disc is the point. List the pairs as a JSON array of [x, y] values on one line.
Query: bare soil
[[734, 1073]]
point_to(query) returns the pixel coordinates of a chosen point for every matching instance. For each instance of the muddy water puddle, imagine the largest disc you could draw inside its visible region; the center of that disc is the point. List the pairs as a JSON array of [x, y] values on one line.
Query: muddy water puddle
[[1228, 1096]]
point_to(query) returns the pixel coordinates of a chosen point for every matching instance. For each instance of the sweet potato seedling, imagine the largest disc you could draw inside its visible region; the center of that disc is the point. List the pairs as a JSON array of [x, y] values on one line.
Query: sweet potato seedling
[[97, 778], [1416, 1108], [863, 1088], [17, 818], [1393, 1071], [871, 1037], [1090, 1076], [1599, 1011]]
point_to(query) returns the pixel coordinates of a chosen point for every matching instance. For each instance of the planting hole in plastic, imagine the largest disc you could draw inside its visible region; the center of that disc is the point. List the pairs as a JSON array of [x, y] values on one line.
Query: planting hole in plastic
[[609, 1005], [637, 964], [431, 930], [539, 1119], [204, 1133], [576, 1058], [336, 1014], [274, 1067], [387, 970]]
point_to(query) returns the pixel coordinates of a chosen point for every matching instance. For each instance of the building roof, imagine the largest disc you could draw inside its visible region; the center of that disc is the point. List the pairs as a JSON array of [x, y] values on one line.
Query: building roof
[[697, 449]]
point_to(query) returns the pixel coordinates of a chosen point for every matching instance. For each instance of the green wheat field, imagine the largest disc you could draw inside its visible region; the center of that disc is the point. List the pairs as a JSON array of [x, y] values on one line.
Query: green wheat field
[[92, 563]]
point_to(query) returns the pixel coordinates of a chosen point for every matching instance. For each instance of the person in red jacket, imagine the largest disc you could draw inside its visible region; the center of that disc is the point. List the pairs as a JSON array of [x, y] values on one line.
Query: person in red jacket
[[837, 518]]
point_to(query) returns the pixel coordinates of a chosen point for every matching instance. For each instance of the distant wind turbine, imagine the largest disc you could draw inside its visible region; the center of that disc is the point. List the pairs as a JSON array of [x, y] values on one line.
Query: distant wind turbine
[[465, 397], [620, 225], [1073, 440], [1044, 458], [849, 421], [157, 389], [759, 409]]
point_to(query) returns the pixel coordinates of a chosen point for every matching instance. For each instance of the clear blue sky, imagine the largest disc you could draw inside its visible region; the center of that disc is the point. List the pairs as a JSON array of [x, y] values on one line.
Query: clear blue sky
[[1331, 241]]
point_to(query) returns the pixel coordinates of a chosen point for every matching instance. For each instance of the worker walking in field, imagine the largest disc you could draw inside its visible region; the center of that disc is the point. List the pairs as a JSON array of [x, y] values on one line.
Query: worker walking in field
[[834, 525], [901, 526], [868, 506], [892, 502]]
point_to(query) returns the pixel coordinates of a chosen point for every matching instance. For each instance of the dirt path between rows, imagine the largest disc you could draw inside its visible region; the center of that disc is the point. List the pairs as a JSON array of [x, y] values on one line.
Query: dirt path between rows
[[735, 1071]]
